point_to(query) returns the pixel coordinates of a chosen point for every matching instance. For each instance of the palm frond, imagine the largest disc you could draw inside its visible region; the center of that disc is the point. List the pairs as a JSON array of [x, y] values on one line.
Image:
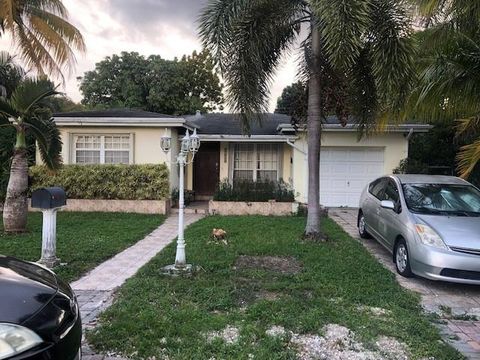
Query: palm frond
[[30, 93], [343, 24], [468, 158], [48, 138], [449, 85], [40, 29], [7, 110], [392, 52], [10, 74], [468, 126], [249, 46]]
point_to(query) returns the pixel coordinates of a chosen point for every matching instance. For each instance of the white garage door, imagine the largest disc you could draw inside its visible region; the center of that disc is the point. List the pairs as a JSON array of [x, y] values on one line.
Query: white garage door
[[345, 171]]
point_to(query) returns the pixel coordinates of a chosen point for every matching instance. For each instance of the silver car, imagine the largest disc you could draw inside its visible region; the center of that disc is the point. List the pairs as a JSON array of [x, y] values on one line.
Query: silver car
[[430, 223]]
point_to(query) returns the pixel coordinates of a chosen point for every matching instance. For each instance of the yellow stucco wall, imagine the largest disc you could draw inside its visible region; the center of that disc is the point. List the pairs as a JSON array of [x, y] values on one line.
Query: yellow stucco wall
[[395, 147], [146, 150]]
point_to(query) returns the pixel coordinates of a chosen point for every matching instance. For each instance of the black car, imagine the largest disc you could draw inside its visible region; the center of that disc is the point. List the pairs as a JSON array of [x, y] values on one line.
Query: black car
[[39, 315]]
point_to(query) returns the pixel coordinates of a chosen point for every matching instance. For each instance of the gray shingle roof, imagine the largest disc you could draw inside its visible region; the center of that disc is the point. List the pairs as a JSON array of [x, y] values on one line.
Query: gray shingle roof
[[113, 113], [229, 124]]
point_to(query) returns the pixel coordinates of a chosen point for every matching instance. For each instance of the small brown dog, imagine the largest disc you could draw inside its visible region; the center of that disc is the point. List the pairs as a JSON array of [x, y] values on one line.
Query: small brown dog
[[219, 234]]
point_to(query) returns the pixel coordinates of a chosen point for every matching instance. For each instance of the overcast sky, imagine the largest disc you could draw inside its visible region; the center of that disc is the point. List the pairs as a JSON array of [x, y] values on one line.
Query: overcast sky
[[164, 27]]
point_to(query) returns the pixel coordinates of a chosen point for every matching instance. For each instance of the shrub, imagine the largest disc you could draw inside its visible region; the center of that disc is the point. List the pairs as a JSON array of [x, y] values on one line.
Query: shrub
[[188, 196], [254, 191], [118, 182], [411, 166]]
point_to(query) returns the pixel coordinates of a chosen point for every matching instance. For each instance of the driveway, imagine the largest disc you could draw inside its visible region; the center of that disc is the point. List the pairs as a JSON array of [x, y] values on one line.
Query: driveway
[[457, 305]]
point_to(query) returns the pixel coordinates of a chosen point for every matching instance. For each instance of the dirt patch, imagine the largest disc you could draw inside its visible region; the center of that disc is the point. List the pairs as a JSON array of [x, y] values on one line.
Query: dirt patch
[[230, 335], [340, 343], [376, 311], [283, 265], [276, 331]]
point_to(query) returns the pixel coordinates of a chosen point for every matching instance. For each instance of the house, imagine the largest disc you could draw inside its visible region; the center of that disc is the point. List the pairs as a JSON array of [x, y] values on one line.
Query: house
[[273, 151]]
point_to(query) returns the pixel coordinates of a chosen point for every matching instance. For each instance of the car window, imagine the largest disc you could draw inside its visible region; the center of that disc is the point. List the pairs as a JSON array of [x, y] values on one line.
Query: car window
[[376, 188], [391, 192], [443, 199]]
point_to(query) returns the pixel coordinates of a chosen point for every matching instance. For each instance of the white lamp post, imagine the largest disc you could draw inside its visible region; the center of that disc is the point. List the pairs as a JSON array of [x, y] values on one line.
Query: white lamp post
[[189, 145]]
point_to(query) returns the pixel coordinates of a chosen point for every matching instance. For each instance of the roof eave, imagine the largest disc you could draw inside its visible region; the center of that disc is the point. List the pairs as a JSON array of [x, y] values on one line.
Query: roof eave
[[123, 122], [420, 128], [245, 138]]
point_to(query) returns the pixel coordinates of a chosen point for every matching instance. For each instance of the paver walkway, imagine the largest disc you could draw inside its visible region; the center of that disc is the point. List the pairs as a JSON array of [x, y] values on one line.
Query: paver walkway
[[95, 291], [457, 305]]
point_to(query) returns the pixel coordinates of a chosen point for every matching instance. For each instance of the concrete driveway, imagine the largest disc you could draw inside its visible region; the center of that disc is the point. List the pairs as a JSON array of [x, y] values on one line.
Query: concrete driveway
[[458, 305]]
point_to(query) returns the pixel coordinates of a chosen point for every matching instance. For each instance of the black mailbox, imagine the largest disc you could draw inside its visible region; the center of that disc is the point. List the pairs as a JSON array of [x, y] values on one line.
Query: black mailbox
[[49, 198]]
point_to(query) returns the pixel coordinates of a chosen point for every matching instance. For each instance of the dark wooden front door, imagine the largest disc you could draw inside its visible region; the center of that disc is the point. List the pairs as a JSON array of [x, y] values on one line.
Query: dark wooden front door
[[206, 169]]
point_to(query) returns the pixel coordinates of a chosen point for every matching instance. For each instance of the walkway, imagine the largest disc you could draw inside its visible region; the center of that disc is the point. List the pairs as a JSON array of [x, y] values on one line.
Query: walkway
[[95, 291], [457, 305]]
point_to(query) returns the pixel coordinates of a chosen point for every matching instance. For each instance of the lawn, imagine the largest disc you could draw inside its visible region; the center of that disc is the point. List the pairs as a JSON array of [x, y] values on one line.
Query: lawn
[[84, 240], [338, 282]]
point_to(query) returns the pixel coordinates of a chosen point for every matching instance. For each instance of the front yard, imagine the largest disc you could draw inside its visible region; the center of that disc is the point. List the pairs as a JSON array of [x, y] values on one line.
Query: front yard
[[268, 295], [84, 240]]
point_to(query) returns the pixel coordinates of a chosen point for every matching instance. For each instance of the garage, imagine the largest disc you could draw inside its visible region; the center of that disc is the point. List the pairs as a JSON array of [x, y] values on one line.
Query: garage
[[345, 171]]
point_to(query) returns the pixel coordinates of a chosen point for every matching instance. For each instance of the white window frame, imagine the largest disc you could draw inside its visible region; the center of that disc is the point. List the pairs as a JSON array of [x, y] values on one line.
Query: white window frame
[[255, 159], [102, 149]]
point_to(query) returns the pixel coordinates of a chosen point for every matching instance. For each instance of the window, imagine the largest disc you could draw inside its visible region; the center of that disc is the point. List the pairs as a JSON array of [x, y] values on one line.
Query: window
[[391, 193], [442, 199], [102, 149], [255, 162], [376, 188]]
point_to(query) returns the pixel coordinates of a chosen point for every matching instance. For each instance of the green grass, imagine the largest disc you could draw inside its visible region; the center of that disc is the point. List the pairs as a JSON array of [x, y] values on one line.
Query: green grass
[[156, 315], [84, 240]]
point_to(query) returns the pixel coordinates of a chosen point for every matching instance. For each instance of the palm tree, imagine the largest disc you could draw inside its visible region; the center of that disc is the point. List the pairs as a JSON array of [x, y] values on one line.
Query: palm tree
[[358, 60], [449, 86], [26, 111], [10, 74], [45, 39]]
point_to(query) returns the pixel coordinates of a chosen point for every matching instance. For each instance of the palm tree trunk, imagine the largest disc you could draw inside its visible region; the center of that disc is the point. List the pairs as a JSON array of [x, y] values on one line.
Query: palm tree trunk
[[15, 207], [314, 128]]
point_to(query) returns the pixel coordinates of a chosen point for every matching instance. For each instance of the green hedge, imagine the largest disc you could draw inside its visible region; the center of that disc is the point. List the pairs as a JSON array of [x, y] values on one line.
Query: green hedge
[[118, 182], [254, 191]]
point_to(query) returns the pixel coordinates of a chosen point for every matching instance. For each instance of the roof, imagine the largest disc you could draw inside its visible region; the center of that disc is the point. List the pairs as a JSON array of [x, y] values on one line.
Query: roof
[[230, 124], [276, 124], [211, 125], [112, 113], [119, 117], [429, 179]]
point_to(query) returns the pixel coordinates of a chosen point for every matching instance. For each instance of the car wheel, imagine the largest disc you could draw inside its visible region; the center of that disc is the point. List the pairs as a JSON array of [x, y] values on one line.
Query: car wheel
[[402, 259], [362, 227]]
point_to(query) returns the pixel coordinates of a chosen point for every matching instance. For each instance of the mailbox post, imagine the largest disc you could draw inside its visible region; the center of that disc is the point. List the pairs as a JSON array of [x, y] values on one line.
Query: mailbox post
[[49, 200]]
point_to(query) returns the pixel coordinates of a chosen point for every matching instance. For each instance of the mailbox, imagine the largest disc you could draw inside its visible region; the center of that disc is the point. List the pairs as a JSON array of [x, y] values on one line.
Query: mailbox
[[49, 198]]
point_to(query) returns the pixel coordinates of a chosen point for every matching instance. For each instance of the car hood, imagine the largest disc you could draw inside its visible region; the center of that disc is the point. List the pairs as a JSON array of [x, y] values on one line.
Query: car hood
[[457, 231], [25, 288]]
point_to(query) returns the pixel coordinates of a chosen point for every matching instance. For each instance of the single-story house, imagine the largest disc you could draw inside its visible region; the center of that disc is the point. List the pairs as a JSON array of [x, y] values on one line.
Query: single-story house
[[274, 150]]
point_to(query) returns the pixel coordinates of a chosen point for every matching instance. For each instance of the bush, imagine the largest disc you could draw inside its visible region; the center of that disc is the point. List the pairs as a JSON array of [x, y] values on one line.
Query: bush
[[411, 166], [117, 182], [254, 191], [188, 196]]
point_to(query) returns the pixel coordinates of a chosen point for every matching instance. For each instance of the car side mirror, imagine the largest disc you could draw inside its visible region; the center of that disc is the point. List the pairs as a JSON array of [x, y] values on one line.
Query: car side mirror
[[388, 204]]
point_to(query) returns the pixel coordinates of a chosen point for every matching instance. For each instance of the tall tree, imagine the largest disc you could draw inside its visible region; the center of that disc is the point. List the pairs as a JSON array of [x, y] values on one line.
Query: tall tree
[[294, 101], [26, 111], [449, 86], [179, 86], [358, 60], [40, 28]]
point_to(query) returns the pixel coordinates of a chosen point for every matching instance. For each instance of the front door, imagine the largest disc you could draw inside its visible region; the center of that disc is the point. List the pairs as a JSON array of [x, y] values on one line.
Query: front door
[[206, 169]]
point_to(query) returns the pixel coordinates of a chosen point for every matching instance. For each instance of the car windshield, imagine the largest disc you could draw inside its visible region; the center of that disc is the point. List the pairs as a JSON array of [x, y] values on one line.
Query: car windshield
[[442, 199]]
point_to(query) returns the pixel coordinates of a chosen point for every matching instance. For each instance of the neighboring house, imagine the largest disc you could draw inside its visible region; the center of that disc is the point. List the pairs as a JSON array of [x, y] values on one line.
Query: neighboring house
[[274, 150]]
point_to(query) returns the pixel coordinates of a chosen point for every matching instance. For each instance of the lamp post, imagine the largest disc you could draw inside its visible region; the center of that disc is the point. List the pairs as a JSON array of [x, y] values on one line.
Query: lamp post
[[189, 145]]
